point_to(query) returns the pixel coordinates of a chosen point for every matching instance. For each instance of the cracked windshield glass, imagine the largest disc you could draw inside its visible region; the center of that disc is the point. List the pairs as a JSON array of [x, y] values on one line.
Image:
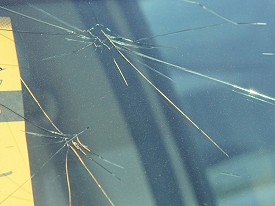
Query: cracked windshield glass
[[155, 103]]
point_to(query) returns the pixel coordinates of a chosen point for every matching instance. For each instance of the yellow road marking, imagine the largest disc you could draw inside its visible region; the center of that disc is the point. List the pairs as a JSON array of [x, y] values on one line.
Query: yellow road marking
[[16, 186], [8, 58]]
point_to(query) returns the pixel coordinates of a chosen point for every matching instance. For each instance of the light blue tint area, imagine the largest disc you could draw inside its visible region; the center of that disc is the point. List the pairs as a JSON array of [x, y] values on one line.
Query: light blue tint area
[[242, 125], [153, 80]]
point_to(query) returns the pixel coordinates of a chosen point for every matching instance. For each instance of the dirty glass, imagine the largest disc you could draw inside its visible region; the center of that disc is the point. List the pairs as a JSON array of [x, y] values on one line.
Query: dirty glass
[[144, 102]]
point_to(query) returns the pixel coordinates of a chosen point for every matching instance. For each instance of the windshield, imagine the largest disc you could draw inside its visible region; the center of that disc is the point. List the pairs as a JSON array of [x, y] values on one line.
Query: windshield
[[137, 102]]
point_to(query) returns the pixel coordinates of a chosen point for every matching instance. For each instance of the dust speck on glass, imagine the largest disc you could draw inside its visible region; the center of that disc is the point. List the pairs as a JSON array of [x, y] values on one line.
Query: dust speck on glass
[[146, 102]]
